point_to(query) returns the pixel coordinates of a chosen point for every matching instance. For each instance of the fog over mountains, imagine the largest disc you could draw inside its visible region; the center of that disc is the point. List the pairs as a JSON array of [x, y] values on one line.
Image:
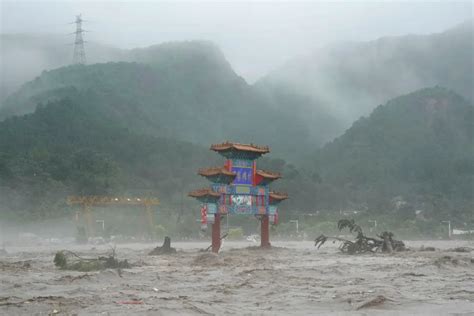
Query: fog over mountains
[[349, 80], [341, 82], [141, 119], [186, 91]]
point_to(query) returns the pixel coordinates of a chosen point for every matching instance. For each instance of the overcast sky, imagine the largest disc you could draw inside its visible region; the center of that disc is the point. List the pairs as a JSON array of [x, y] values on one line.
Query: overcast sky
[[255, 36]]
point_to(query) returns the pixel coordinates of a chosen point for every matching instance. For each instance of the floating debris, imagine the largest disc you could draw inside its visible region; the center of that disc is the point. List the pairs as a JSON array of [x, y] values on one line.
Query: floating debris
[[362, 243], [164, 249], [68, 260]]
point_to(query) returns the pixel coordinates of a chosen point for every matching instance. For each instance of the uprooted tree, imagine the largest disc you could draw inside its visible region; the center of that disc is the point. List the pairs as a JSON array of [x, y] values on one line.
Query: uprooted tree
[[362, 243], [68, 260]]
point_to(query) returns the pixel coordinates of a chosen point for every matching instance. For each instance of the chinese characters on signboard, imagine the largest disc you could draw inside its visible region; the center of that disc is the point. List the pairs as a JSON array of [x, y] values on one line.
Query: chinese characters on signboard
[[243, 175]]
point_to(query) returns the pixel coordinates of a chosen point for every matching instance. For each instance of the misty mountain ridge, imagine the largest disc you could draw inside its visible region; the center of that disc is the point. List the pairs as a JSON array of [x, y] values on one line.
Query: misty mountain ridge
[[186, 95], [178, 60], [182, 90], [418, 146], [335, 86], [349, 79], [344, 81]]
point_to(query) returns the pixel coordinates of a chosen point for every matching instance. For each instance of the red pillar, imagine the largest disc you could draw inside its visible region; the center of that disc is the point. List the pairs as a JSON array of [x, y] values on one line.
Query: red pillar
[[265, 232], [216, 233]]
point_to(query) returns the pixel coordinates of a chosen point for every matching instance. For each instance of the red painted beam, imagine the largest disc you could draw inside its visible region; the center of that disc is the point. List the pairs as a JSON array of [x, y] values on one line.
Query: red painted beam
[[265, 232], [216, 234]]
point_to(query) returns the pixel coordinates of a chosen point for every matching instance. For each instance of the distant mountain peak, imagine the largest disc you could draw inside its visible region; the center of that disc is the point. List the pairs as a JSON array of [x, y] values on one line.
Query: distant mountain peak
[[184, 52]]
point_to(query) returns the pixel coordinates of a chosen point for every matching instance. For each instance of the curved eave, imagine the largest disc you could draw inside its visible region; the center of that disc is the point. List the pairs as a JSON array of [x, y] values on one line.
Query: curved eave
[[278, 196], [204, 193], [229, 146], [216, 171], [269, 175]]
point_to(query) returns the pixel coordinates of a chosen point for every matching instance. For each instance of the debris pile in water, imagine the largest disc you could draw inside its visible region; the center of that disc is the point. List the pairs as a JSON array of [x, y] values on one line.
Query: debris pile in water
[[362, 243], [164, 249], [68, 260]]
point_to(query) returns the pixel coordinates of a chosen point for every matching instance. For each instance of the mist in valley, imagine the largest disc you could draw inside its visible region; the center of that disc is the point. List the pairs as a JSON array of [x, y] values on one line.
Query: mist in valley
[[108, 184]]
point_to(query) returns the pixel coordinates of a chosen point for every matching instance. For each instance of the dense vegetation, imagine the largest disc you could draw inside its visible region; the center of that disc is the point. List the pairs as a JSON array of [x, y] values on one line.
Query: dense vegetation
[[326, 91], [68, 147], [143, 127], [71, 147], [414, 153], [186, 91]]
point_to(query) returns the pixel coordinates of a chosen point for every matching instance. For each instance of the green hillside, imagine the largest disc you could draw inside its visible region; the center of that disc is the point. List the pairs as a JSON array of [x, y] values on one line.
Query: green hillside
[[186, 91], [143, 127], [70, 147], [325, 91], [74, 147], [417, 149]]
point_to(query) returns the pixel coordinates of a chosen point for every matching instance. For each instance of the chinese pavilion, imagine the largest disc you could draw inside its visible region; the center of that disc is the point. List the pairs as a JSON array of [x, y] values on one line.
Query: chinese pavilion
[[239, 187]]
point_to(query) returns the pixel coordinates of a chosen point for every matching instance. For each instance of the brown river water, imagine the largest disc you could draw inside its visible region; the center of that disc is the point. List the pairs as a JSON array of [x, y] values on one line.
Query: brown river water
[[293, 278]]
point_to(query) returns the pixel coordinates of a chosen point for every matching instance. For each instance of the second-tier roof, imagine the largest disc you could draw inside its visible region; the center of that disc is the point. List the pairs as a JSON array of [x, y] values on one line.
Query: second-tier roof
[[216, 171], [278, 196], [205, 192], [269, 174]]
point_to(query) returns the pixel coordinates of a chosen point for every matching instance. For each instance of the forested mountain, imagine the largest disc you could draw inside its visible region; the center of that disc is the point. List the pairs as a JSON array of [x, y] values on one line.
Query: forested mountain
[[142, 126], [186, 91], [417, 149], [74, 147], [349, 79], [415, 152], [327, 90]]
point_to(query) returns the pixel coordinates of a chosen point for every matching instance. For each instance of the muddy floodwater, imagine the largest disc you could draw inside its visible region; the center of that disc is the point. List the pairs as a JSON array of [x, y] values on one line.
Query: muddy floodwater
[[293, 278]]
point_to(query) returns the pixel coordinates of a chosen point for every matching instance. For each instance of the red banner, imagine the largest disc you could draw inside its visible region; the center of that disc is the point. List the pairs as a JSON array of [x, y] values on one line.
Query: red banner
[[204, 215]]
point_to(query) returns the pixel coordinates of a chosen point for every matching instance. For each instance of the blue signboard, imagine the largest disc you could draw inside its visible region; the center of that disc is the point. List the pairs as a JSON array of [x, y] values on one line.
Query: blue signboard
[[244, 171], [244, 175]]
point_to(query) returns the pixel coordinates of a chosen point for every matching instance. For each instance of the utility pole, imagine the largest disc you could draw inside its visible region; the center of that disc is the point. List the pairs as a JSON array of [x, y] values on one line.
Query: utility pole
[[449, 228], [297, 225], [79, 56]]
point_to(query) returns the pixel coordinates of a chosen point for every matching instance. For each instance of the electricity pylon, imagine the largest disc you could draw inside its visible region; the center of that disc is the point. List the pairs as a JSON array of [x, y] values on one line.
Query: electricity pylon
[[79, 56]]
